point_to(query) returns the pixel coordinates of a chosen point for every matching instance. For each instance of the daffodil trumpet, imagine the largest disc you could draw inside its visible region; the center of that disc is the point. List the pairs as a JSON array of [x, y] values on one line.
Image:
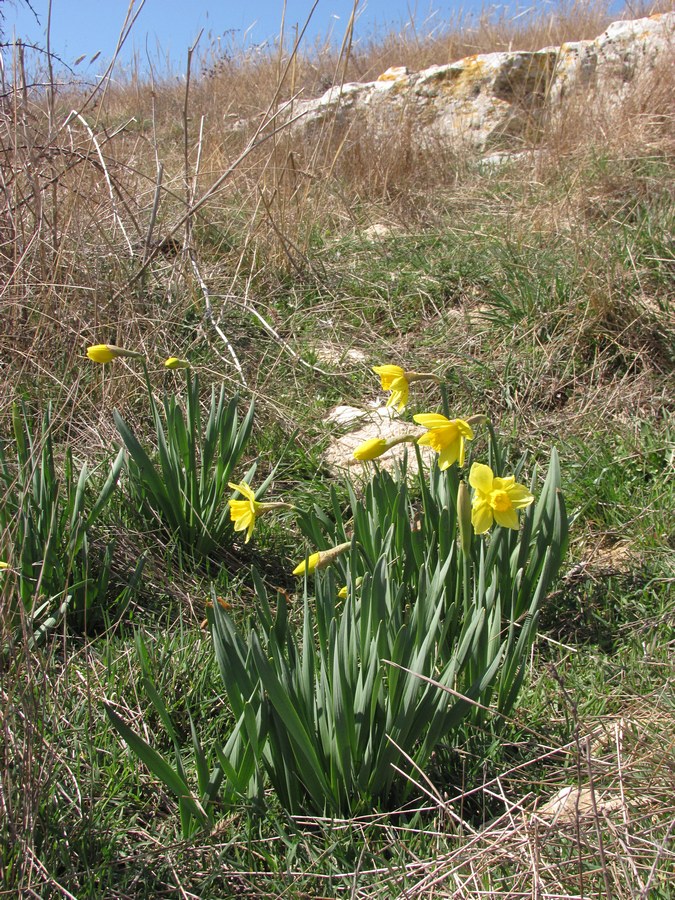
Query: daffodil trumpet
[[245, 512], [321, 559], [105, 353]]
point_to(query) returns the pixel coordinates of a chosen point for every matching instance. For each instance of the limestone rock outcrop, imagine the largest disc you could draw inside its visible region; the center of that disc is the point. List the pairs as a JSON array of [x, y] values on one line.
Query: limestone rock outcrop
[[499, 100]]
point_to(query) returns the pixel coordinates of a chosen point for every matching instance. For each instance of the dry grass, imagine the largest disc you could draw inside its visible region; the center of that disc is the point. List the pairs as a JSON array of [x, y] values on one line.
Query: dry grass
[[86, 212], [606, 828]]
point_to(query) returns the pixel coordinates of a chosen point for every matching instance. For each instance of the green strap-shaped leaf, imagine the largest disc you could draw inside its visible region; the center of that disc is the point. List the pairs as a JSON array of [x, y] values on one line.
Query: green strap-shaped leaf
[[159, 767], [313, 776]]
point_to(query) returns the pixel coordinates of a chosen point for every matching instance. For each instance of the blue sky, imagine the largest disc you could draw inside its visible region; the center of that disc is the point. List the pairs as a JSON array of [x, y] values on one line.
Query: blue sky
[[85, 27]]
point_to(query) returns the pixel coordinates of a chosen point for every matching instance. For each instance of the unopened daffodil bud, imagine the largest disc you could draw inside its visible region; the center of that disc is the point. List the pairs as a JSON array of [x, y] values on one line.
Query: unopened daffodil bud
[[105, 353], [374, 447], [321, 559], [174, 363], [371, 449], [342, 593]]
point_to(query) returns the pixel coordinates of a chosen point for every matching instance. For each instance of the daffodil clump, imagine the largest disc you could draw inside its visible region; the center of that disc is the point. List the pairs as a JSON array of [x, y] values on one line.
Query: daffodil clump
[[415, 622]]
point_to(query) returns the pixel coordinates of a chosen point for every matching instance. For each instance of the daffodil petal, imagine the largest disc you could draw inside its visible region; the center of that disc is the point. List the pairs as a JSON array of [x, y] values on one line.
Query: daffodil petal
[[481, 478], [245, 520], [519, 496], [503, 484], [399, 393], [464, 429], [388, 374], [243, 488], [481, 517], [388, 371], [507, 518], [431, 420], [448, 456]]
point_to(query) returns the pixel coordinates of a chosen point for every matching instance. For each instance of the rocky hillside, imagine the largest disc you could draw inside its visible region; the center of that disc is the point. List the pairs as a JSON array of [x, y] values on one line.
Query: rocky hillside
[[497, 101]]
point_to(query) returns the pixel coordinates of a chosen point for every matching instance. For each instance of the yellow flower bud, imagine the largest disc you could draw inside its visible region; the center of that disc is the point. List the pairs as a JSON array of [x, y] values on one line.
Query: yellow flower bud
[[371, 449], [105, 353], [321, 559], [342, 593], [174, 363]]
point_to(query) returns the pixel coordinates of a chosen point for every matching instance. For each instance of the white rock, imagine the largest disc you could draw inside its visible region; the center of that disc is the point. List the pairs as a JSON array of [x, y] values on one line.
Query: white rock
[[334, 353], [378, 231]]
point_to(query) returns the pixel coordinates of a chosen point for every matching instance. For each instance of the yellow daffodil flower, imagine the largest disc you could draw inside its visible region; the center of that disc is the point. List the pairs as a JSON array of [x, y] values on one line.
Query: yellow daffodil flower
[[445, 436], [495, 499], [320, 559], [374, 447], [4, 565], [244, 512], [174, 363], [398, 381], [393, 378], [105, 353]]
